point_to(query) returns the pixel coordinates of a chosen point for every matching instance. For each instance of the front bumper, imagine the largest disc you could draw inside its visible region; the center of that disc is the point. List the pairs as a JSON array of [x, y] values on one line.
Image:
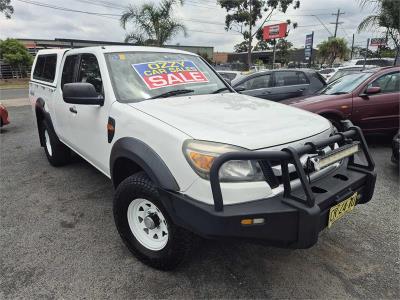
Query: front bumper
[[292, 219]]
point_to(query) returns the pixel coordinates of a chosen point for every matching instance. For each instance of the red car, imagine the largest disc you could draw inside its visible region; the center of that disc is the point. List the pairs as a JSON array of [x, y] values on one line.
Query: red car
[[3, 116], [370, 99]]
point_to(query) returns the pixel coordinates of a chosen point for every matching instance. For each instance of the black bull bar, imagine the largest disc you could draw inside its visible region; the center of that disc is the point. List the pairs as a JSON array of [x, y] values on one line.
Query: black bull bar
[[292, 155]]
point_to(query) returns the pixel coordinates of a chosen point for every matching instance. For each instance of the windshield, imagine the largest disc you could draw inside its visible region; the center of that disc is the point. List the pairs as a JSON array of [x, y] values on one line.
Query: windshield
[[341, 73], [138, 76], [345, 84]]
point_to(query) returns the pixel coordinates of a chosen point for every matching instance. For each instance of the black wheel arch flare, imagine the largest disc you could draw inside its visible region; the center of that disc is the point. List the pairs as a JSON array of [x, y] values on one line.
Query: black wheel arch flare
[[146, 158], [42, 114]]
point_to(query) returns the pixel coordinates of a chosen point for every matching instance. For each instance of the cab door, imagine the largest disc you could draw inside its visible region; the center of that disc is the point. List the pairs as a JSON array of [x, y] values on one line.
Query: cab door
[[87, 124], [62, 114], [379, 112], [288, 84]]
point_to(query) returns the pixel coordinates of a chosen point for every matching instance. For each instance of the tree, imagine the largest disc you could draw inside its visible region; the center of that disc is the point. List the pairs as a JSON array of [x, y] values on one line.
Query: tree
[[6, 8], [242, 16], [153, 24], [283, 47], [241, 47], [387, 15], [15, 53], [331, 49]]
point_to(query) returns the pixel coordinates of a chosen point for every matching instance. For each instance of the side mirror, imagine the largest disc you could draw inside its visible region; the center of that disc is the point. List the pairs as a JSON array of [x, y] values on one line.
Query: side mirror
[[239, 89], [373, 90], [81, 93]]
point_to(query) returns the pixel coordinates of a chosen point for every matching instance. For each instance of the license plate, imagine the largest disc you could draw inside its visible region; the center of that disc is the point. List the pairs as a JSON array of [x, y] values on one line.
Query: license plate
[[339, 210]]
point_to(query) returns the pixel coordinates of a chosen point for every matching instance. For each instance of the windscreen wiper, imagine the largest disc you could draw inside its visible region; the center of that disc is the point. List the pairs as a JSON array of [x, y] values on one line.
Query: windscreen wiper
[[172, 93], [220, 90], [339, 93]]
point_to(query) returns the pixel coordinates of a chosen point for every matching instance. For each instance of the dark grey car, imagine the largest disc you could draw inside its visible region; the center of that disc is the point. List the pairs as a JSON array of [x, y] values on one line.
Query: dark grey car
[[280, 84]]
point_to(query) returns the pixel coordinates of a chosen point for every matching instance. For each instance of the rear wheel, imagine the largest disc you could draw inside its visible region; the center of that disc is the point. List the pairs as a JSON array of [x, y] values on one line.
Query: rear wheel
[[145, 226], [56, 152]]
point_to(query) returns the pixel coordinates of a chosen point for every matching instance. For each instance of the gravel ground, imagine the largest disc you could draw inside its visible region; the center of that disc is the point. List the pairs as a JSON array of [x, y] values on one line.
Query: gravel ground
[[58, 240], [13, 93]]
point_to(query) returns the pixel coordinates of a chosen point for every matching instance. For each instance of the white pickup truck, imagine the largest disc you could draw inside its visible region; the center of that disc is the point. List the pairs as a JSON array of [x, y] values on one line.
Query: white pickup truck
[[188, 155]]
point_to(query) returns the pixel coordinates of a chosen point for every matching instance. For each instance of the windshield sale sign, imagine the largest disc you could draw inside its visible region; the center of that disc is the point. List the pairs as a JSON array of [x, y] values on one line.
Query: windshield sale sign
[[162, 74]]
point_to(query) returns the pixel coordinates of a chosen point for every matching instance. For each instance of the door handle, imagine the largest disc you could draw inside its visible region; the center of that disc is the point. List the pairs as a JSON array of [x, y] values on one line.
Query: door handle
[[301, 90], [266, 92], [73, 110]]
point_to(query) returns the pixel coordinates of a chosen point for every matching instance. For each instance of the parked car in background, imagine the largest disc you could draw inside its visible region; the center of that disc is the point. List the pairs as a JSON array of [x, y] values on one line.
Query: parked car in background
[[381, 62], [4, 120], [229, 75], [396, 148], [277, 85], [340, 72], [370, 99], [327, 73]]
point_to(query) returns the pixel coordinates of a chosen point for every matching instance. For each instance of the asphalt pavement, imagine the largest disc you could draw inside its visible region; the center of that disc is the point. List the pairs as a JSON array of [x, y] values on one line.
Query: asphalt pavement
[[58, 240], [13, 93]]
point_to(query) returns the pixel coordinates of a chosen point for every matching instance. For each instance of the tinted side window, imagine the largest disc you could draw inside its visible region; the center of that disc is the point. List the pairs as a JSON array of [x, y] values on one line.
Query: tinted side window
[[316, 82], [388, 83], [229, 76], [302, 79], [45, 68], [258, 82], [285, 78], [49, 70], [37, 73], [68, 70], [325, 71], [89, 71]]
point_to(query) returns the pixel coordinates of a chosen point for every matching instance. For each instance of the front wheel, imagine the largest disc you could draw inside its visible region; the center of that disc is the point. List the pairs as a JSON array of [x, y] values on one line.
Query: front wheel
[[145, 226]]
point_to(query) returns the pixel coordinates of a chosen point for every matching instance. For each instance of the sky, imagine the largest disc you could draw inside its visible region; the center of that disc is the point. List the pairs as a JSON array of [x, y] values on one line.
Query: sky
[[204, 20]]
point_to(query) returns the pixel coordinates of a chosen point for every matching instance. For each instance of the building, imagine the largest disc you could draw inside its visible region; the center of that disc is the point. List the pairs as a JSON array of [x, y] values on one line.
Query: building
[[33, 45], [295, 56], [220, 57]]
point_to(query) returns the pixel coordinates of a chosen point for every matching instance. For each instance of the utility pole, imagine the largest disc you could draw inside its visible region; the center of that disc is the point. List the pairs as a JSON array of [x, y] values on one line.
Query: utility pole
[[366, 54], [352, 47], [337, 20], [250, 35]]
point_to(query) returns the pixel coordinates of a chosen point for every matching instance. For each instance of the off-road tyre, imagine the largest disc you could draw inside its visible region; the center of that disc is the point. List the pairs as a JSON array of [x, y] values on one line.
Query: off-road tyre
[[178, 245], [57, 153]]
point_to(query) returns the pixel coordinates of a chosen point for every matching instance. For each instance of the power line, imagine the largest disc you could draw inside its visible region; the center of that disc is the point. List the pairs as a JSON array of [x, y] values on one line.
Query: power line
[[102, 4], [67, 9], [337, 20]]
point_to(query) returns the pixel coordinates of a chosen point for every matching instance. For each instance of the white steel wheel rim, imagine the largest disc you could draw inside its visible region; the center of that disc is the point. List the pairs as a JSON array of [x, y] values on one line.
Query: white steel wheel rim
[[47, 142], [141, 210]]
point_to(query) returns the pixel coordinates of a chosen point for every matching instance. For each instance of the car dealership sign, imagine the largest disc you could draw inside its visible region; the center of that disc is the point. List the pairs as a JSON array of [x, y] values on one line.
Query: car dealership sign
[[378, 42], [308, 46], [276, 31]]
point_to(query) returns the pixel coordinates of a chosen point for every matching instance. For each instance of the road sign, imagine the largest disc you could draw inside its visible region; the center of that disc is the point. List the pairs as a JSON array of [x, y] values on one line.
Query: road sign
[[378, 42], [274, 31]]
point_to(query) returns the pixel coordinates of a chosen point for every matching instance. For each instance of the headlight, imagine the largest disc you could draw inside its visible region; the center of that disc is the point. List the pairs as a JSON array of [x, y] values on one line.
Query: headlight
[[201, 155]]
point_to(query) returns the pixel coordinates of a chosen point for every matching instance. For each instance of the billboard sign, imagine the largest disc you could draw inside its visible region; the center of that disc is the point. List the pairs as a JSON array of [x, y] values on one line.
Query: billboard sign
[[378, 42], [308, 46], [276, 31]]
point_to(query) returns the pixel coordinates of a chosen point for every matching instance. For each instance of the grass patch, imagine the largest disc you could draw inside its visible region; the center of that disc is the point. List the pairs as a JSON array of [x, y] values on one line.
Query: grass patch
[[14, 83]]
